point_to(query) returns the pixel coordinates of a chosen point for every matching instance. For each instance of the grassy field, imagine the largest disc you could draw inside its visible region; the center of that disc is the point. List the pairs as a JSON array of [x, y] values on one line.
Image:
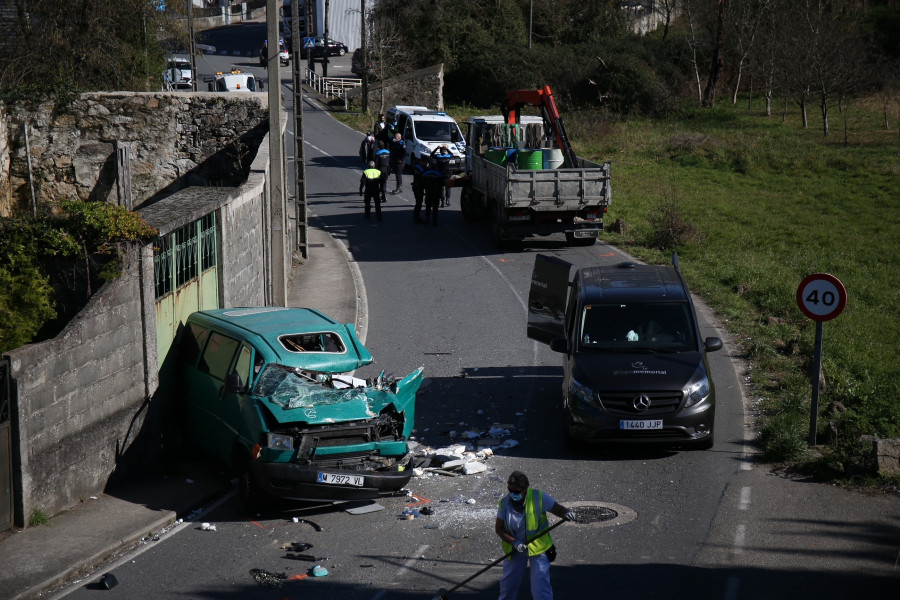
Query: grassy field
[[764, 203]]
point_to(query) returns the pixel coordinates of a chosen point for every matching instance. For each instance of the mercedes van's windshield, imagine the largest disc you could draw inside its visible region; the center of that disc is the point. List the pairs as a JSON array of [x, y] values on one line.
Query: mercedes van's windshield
[[437, 131], [638, 327]]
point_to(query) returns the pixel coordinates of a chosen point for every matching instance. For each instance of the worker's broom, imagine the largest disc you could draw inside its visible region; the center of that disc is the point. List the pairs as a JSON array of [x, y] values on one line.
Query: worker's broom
[[442, 594]]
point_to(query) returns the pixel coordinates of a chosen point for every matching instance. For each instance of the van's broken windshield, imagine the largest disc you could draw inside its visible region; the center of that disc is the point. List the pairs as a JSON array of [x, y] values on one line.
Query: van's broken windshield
[[290, 388]]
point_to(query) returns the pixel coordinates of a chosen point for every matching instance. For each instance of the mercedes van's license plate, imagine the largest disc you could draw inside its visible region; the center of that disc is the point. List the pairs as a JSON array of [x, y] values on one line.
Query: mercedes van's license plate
[[341, 479], [651, 424]]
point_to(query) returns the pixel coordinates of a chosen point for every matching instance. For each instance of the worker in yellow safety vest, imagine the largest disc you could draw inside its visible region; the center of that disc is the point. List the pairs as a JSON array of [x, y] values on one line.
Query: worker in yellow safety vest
[[370, 182], [523, 514]]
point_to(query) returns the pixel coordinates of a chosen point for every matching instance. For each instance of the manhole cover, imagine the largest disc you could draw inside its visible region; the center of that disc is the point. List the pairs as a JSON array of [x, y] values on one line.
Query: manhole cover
[[594, 514], [599, 514]]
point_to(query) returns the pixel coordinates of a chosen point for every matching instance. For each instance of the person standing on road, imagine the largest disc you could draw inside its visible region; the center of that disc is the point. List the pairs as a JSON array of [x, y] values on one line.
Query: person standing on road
[[370, 183], [432, 181], [441, 157], [522, 514], [383, 164], [367, 148], [398, 160], [382, 134], [418, 190]]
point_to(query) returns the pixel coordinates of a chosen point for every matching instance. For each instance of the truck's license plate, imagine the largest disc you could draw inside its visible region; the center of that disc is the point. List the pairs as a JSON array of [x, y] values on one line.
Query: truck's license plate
[[340, 479], [643, 424]]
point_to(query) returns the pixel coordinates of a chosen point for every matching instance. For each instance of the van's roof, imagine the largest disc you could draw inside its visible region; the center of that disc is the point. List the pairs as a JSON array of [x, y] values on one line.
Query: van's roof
[[423, 113], [265, 326], [629, 282]]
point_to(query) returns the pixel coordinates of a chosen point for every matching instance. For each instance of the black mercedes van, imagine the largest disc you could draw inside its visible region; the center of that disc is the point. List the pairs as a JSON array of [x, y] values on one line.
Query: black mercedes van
[[635, 367]]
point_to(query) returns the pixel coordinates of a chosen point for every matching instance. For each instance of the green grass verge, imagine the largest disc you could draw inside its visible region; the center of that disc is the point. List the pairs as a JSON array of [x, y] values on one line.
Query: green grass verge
[[771, 203]]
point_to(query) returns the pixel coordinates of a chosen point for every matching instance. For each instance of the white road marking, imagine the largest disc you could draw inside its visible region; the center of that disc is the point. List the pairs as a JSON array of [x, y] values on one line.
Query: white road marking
[[744, 502], [739, 534]]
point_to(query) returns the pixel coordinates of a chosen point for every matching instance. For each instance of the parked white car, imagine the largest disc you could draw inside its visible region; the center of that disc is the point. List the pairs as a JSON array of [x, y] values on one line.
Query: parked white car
[[178, 73], [234, 81]]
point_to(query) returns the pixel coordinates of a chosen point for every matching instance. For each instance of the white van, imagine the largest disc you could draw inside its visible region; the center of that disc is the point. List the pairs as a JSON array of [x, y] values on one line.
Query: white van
[[423, 130]]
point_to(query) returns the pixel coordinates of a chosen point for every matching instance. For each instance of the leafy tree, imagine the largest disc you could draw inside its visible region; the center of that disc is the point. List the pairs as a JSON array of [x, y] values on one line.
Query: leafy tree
[[85, 45]]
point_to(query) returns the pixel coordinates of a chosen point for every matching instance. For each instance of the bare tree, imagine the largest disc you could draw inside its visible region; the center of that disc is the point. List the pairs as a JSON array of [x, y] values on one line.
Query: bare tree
[[694, 44], [718, 54], [745, 17]]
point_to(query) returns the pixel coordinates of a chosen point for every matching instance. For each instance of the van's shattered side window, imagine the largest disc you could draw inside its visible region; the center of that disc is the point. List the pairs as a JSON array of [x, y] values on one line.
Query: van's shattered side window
[[289, 390], [313, 342]]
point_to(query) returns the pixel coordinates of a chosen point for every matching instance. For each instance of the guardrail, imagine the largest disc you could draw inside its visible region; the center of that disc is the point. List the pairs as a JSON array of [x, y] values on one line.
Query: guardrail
[[331, 87]]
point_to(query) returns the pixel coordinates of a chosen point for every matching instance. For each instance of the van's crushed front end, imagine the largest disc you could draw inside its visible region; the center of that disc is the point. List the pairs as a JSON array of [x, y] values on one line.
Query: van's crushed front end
[[332, 437]]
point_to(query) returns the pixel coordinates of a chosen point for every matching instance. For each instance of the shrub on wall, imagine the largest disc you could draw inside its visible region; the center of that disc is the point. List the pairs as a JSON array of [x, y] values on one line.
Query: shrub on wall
[[41, 259]]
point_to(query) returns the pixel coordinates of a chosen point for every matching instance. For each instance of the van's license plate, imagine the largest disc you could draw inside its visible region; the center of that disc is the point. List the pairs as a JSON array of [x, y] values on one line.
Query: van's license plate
[[643, 424], [340, 479]]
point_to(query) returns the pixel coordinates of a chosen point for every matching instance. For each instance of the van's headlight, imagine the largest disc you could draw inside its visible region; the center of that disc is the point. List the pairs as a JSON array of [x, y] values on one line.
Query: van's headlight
[[581, 393], [698, 392], [279, 441]]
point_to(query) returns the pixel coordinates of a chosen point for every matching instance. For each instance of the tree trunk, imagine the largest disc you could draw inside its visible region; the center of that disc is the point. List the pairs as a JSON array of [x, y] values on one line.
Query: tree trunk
[[718, 62], [737, 83], [825, 116]]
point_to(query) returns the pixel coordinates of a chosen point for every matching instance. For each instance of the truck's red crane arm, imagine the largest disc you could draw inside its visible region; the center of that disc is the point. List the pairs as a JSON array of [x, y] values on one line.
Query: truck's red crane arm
[[511, 108]]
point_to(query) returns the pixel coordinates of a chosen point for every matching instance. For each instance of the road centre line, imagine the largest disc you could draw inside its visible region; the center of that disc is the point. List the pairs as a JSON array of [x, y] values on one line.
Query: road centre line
[[739, 534], [744, 502]]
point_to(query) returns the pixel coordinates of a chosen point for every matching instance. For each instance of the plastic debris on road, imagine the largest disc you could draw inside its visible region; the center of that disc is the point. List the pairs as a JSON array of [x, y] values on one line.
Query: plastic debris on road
[[267, 579], [318, 571], [208, 527]]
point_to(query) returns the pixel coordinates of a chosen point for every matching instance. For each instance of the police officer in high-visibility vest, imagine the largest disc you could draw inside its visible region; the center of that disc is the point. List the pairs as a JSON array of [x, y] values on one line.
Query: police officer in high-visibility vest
[[370, 182], [522, 515]]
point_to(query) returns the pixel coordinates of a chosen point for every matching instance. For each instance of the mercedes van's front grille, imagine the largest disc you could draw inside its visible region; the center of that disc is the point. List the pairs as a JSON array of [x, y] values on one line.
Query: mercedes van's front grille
[[640, 404]]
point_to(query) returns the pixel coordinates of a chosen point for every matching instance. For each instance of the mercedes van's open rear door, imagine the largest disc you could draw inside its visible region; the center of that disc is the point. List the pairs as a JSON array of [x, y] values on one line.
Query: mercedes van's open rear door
[[547, 298]]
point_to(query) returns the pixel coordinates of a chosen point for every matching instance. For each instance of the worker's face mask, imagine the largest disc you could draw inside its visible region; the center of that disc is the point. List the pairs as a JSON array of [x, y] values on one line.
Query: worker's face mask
[[516, 497]]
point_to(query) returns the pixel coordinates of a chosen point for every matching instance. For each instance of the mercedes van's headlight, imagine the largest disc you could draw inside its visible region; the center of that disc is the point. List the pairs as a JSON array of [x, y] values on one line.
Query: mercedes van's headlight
[[581, 393], [698, 392], [278, 441]]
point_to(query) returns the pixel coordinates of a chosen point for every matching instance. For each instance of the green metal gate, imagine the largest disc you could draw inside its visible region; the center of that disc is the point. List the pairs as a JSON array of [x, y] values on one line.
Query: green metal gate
[[6, 479], [187, 279]]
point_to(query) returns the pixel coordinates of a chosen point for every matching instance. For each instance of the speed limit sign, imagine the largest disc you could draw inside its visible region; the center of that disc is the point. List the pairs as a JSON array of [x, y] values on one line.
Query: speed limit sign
[[821, 297]]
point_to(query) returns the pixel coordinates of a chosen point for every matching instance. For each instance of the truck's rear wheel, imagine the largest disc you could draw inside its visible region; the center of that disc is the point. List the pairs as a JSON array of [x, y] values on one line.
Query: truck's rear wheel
[[468, 204]]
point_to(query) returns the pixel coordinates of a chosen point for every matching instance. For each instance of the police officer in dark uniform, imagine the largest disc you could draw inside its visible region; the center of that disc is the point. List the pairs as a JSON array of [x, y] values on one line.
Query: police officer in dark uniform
[[397, 148], [433, 182], [370, 182], [441, 157], [418, 189], [383, 164]]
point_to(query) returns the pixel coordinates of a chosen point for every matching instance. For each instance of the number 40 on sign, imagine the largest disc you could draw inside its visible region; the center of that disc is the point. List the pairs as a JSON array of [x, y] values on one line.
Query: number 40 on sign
[[821, 297]]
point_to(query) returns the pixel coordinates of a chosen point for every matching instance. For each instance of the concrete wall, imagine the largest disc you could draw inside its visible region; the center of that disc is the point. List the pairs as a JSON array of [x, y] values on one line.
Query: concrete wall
[[87, 404], [423, 87]]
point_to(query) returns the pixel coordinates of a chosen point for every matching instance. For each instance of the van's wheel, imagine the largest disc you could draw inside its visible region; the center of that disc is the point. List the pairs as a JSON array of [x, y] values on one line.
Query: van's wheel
[[252, 498], [574, 241]]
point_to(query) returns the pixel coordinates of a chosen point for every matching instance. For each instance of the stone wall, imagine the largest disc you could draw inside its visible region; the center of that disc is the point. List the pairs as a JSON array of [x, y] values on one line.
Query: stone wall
[[87, 404], [424, 87], [175, 141]]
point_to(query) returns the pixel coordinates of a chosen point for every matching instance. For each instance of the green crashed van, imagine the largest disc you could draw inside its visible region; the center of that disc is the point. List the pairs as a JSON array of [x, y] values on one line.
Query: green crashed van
[[270, 391]]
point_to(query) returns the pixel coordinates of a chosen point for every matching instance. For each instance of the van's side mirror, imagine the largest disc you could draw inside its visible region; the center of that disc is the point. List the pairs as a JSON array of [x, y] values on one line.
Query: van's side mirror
[[559, 345], [233, 384], [712, 344]]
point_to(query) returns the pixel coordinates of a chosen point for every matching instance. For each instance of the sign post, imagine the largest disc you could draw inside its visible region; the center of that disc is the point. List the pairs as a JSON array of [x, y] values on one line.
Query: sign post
[[821, 297]]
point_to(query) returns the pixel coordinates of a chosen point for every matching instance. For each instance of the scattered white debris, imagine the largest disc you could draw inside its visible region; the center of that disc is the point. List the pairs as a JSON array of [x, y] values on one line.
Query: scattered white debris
[[470, 468], [470, 501], [296, 519], [509, 444], [418, 472], [208, 527], [471, 435], [480, 412]]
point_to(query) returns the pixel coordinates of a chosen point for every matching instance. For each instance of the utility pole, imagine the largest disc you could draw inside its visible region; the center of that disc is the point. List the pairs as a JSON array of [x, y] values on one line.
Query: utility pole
[[302, 218], [325, 41], [276, 162], [365, 57], [192, 45]]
